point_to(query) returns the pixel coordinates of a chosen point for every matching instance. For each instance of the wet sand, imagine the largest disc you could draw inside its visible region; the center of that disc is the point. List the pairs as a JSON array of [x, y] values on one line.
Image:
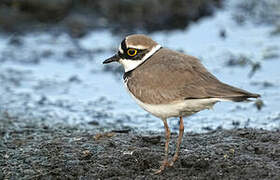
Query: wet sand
[[33, 151]]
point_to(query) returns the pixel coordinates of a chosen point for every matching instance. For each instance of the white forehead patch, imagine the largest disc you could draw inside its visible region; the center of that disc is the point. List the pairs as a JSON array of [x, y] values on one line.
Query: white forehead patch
[[120, 49], [138, 47]]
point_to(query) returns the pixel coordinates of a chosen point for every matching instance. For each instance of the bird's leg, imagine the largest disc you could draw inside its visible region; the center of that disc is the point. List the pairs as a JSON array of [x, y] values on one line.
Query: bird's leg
[[181, 132], [167, 137]]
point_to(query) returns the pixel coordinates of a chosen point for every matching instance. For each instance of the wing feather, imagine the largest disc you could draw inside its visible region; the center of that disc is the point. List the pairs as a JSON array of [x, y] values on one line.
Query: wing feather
[[172, 76]]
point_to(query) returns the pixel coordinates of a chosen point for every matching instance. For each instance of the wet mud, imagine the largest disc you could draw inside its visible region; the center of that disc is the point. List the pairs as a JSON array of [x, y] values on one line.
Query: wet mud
[[32, 151]]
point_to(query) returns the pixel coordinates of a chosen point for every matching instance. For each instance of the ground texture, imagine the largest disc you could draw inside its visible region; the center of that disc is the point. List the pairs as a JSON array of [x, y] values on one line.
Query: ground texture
[[43, 152]]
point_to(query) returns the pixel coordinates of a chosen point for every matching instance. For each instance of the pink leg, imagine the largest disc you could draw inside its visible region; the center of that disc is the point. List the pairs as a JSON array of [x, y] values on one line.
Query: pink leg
[[167, 136], [181, 133]]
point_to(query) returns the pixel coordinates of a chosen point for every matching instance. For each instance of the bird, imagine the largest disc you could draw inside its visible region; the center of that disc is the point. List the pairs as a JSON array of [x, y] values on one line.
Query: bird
[[167, 83]]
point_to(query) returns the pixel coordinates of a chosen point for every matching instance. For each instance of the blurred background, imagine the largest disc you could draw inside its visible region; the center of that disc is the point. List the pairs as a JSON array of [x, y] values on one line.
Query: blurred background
[[51, 55]]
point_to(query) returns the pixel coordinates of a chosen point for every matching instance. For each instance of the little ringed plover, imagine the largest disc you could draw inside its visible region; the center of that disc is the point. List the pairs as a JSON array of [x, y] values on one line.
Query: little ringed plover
[[168, 84]]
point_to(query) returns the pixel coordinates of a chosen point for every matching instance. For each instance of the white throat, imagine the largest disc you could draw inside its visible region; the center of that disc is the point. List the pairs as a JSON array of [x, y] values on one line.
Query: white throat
[[132, 64]]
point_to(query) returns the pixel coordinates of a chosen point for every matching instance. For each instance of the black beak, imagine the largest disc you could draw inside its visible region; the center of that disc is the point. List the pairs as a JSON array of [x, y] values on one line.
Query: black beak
[[112, 59]]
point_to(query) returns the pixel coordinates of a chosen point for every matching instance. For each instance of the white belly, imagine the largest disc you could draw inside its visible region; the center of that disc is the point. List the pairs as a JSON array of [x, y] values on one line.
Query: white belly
[[179, 108]]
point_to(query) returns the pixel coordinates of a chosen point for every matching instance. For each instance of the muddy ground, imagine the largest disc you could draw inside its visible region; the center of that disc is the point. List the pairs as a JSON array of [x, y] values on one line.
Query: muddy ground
[[38, 151]]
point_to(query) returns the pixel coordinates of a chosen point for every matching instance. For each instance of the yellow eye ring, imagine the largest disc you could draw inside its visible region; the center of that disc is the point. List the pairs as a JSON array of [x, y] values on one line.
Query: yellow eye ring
[[131, 52]]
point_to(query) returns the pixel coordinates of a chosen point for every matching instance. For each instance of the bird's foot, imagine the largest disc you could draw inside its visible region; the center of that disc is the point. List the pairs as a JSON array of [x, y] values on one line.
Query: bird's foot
[[162, 167], [171, 163], [173, 160]]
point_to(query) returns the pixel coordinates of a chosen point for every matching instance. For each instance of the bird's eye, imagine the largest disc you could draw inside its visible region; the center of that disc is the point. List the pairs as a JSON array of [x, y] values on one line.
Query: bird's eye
[[131, 52]]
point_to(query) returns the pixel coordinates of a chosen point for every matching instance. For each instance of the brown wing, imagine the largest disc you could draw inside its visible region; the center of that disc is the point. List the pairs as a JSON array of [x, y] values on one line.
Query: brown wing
[[171, 76]]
